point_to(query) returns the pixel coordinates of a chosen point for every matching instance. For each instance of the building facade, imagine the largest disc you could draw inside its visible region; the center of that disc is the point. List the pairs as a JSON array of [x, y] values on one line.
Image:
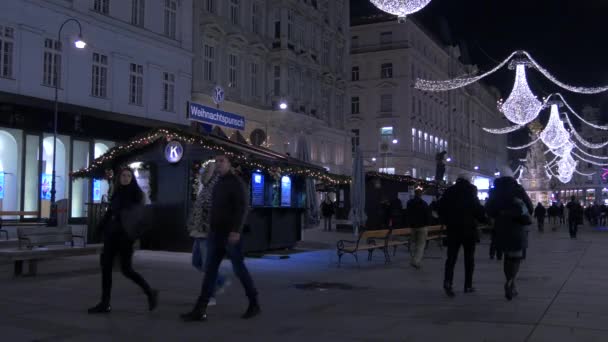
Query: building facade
[[134, 73], [266, 52], [400, 129], [593, 186]]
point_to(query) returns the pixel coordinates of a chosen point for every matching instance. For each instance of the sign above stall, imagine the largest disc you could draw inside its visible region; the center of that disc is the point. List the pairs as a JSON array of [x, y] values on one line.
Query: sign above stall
[[174, 151], [208, 115]]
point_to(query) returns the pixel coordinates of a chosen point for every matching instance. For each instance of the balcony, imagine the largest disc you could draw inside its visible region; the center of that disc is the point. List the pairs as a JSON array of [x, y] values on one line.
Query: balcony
[[402, 44]]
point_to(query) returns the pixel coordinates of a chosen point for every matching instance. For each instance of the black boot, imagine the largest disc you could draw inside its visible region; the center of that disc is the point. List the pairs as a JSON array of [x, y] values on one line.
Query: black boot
[[198, 314], [152, 300], [447, 287], [100, 308], [252, 310]]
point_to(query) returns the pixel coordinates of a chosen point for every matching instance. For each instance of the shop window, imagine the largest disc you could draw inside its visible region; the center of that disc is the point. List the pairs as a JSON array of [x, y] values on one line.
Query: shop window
[[10, 172]]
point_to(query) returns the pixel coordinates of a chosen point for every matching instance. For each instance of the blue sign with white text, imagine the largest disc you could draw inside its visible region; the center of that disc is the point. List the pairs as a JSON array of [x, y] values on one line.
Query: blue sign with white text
[[285, 191], [198, 112], [257, 193], [97, 190]]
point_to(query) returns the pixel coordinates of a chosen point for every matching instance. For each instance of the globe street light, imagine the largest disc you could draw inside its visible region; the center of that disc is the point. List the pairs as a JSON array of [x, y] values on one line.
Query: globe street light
[[80, 44], [283, 105]]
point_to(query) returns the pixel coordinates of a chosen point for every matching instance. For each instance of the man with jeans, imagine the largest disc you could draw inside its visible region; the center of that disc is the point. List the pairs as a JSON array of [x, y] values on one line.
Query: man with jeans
[[418, 214], [229, 207]]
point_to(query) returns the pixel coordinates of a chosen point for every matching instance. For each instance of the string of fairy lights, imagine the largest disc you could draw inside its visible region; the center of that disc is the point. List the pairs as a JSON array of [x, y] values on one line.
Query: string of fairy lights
[[522, 107]]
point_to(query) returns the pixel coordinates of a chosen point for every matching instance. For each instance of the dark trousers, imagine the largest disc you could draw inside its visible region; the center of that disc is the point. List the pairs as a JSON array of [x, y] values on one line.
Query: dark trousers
[[493, 250], [469, 260], [573, 228], [217, 247], [118, 243], [327, 223], [541, 224]]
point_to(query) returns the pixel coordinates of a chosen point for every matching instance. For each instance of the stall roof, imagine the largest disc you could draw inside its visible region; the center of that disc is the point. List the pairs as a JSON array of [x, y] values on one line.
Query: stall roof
[[250, 156]]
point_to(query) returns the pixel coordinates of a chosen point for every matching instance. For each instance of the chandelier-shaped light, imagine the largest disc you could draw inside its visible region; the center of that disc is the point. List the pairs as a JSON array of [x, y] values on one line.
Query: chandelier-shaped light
[[400, 8], [522, 106], [554, 135], [563, 150]]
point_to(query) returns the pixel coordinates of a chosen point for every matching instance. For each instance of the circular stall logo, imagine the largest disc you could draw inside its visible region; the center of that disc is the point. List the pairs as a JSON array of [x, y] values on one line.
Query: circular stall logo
[[174, 151], [218, 95]]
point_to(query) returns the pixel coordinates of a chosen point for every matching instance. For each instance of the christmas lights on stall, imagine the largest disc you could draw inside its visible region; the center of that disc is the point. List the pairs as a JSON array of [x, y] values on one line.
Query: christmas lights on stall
[[400, 8]]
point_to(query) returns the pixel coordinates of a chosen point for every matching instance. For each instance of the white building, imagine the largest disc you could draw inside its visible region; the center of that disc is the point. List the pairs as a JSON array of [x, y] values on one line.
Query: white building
[[399, 128], [592, 188], [264, 52], [135, 72]]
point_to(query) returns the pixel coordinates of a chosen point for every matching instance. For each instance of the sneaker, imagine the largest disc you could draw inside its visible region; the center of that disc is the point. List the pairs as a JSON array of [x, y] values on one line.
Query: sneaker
[[449, 291], [212, 302]]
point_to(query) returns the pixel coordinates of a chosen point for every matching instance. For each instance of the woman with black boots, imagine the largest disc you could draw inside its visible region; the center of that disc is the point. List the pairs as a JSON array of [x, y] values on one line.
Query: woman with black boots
[[124, 213], [510, 208]]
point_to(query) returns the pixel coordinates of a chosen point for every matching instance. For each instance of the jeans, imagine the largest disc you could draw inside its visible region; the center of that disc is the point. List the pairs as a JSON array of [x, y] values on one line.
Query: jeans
[[117, 242], [199, 257], [217, 247], [327, 223], [418, 238], [454, 244], [573, 228]]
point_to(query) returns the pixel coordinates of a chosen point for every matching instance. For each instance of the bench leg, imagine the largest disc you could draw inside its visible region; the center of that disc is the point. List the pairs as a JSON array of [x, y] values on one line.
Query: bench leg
[[357, 259], [18, 268], [387, 255], [369, 254], [32, 267], [340, 258]]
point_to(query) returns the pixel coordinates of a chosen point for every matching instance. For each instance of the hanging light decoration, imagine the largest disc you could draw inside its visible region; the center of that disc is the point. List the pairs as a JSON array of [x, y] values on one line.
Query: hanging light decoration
[[522, 106], [400, 8], [554, 135], [502, 130], [523, 146], [563, 150]]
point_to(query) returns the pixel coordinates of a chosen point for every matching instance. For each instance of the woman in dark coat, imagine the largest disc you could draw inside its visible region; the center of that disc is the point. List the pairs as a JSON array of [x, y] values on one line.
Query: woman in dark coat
[[124, 205], [510, 208]]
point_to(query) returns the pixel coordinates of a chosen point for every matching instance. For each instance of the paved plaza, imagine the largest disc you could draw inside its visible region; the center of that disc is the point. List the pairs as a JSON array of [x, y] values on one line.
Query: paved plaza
[[563, 297]]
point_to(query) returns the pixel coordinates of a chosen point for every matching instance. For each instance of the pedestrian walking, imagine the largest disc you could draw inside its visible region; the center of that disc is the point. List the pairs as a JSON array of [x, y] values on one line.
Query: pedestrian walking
[[419, 215], [123, 219], [460, 210], [539, 213], [327, 210], [561, 214], [198, 225], [510, 207], [229, 206], [575, 216]]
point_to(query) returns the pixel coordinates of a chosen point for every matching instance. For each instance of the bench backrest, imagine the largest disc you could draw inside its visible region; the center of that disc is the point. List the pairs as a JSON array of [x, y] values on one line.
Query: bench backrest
[[431, 229], [401, 232], [41, 236], [374, 234]]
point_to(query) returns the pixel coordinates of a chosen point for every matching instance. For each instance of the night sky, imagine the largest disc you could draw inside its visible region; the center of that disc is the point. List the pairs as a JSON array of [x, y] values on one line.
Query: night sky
[[568, 37]]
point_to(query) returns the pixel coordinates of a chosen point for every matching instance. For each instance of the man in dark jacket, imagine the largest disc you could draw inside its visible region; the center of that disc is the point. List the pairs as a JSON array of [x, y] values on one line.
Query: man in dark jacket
[[540, 212], [418, 214], [327, 210], [460, 210], [229, 206], [575, 216]]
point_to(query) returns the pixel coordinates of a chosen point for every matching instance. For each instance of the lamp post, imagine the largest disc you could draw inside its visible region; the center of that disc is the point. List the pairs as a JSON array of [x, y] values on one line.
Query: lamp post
[[80, 44]]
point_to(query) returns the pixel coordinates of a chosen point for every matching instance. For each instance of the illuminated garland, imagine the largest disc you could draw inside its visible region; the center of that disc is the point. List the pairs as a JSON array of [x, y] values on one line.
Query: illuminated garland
[[604, 128], [502, 130], [581, 139], [523, 146], [402, 179]]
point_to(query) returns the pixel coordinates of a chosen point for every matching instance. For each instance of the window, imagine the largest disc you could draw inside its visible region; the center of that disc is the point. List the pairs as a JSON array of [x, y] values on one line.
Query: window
[[386, 103], [355, 73], [386, 37], [354, 105], [99, 75], [102, 6], [277, 24], [414, 140], [354, 42], [210, 6], [277, 80], [254, 79], [355, 139], [290, 30], [232, 71], [340, 110], [6, 51], [52, 63], [386, 131], [138, 10], [208, 64], [170, 18], [386, 70], [387, 170], [255, 17], [234, 12], [168, 92], [136, 84]]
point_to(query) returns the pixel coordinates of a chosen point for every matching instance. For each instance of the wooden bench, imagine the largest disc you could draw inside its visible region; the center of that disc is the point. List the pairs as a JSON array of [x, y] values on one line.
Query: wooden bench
[[436, 233], [368, 240], [399, 237], [34, 242], [13, 213]]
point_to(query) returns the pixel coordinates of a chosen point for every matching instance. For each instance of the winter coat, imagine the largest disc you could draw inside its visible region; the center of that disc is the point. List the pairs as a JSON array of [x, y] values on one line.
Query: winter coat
[[418, 212], [460, 211], [327, 209], [229, 205], [508, 201], [540, 212], [198, 222]]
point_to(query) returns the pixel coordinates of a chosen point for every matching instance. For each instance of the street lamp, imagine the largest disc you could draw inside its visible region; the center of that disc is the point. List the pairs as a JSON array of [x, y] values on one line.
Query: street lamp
[[476, 167], [395, 141], [283, 105], [449, 159], [80, 44]]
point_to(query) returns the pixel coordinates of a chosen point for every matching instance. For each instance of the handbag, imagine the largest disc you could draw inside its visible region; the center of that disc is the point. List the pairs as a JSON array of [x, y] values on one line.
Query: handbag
[[524, 218], [135, 220]]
